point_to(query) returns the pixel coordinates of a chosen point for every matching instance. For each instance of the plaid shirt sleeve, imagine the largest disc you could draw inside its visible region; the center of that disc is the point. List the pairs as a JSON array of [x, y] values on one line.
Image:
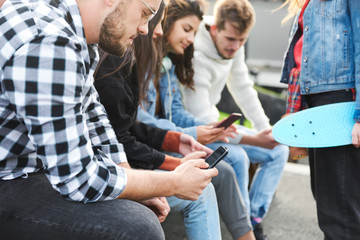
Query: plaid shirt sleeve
[[46, 85]]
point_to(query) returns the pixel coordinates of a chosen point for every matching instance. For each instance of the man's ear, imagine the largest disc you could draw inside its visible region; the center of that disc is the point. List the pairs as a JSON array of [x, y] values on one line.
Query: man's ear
[[213, 29]]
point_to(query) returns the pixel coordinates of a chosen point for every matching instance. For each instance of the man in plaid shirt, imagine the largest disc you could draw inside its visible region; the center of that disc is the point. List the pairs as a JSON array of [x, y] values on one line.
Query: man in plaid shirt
[[52, 125]]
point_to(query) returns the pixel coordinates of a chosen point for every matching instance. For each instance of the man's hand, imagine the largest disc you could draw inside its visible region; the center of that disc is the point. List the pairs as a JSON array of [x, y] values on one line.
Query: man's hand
[[262, 139], [356, 135], [191, 178], [159, 206], [188, 145]]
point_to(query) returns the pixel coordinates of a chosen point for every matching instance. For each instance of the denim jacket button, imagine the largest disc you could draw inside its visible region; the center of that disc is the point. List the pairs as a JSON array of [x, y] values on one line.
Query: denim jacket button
[[305, 59], [307, 89], [306, 28]]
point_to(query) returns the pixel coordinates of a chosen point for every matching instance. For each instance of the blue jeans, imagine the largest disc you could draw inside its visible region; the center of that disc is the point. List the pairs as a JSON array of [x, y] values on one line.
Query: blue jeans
[[266, 178], [201, 217], [230, 202]]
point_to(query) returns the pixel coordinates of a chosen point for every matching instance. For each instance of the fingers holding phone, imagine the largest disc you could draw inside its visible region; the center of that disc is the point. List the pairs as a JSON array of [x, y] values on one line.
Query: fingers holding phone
[[194, 155], [208, 134], [192, 178]]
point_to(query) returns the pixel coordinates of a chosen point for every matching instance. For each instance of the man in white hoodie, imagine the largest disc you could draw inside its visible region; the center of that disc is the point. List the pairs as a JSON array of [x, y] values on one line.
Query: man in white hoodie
[[218, 61]]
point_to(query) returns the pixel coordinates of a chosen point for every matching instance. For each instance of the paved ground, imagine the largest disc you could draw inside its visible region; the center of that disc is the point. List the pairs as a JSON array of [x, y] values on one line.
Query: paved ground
[[292, 215]]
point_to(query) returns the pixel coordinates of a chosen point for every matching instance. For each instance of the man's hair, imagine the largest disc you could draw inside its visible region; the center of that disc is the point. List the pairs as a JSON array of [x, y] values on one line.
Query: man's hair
[[239, 13]]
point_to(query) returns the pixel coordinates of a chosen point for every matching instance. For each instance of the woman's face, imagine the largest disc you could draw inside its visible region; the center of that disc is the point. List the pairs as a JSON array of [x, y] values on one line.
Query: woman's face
[[158, 31], [182, 34]]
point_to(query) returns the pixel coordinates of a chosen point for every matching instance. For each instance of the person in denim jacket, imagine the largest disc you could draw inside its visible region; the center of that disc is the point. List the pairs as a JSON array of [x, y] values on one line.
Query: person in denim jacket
[[328, 62]]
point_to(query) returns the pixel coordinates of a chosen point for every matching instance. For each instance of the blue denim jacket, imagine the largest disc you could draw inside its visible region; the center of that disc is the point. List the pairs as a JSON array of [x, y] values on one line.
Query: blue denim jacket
[[175, 117], [331, 48]]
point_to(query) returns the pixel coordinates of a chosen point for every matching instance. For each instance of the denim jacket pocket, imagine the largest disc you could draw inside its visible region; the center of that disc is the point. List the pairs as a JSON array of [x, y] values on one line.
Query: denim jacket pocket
[[328, 8]]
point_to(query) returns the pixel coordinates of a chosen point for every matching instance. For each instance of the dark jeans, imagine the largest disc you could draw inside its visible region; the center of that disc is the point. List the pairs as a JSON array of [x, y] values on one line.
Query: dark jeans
[[31, 209], [335, 180]]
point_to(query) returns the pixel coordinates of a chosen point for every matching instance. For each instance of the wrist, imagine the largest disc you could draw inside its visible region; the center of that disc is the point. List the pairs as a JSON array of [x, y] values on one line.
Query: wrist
[[174, 181], [247, 139]]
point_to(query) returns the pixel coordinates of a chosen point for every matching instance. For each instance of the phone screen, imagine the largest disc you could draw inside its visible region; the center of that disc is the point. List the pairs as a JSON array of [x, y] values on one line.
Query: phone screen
[[216, 156]]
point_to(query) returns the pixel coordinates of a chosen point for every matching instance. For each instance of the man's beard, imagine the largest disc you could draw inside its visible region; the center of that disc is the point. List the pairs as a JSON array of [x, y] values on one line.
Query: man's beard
[[112, 30], [219, 52]]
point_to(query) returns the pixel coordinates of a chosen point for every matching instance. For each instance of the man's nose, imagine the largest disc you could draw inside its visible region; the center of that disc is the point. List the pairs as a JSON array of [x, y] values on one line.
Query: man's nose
[[236, 45], [143, 29], [191, 38]]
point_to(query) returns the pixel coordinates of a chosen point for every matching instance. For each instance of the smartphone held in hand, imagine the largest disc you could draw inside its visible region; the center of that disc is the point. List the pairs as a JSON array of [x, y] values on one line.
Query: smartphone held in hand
[[229, 120], [216, 156]]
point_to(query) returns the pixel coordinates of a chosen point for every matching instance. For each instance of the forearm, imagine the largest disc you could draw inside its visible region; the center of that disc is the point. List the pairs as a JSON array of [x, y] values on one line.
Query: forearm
[[151, 136], [144, 184], [249, 140], [140, 155]]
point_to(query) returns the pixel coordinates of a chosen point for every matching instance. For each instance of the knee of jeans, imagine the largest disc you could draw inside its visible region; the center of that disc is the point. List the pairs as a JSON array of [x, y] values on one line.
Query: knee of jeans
[[281, 153], [238, 159], [142, 224], [225, 172], [208, 194], [227, 177]]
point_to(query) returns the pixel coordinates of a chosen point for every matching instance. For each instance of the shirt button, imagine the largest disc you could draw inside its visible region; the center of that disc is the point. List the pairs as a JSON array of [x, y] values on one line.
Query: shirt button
[[306, 28], [305, 59]]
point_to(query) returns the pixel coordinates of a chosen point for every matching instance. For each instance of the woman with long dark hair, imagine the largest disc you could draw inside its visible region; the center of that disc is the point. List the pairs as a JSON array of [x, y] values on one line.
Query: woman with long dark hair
[[120, 88]]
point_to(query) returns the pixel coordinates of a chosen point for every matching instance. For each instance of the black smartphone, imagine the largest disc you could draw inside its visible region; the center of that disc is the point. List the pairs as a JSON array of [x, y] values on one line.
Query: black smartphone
[[229, 120], [216, 156]]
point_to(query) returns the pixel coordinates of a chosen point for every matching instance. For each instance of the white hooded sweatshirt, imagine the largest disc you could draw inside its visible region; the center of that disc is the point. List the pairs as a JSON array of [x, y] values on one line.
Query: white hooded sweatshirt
[[212, 73]]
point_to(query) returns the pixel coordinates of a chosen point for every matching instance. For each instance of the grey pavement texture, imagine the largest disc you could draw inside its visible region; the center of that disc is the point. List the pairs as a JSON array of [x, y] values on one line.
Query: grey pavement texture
[[292, 215]]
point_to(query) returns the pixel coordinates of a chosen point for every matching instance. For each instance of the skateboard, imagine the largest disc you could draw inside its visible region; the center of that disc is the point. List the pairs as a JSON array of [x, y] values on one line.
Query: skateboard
[[324, 126]]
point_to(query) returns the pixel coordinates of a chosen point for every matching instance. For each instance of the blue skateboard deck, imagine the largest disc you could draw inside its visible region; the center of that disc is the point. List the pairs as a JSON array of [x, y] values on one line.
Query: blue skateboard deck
[[324, 126]]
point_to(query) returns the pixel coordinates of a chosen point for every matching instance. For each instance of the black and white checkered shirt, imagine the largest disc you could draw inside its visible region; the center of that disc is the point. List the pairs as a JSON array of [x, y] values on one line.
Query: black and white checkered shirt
[[49, 114]]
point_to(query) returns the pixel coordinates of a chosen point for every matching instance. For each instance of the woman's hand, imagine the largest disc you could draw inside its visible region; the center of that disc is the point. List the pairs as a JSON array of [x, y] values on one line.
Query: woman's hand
[[194, 155], [188, 145], [356, 135]]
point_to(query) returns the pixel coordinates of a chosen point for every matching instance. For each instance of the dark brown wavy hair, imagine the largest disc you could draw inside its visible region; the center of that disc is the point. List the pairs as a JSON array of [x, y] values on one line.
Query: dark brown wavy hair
[[176, 10]]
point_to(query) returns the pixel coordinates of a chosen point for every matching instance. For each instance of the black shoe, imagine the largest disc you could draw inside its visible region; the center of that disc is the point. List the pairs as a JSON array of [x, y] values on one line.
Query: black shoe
[[259, 232]]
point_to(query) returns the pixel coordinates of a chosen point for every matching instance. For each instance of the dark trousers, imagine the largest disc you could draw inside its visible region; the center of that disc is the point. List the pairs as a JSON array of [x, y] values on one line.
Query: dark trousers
[[31, 209], [335, 180], [230, 202]]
